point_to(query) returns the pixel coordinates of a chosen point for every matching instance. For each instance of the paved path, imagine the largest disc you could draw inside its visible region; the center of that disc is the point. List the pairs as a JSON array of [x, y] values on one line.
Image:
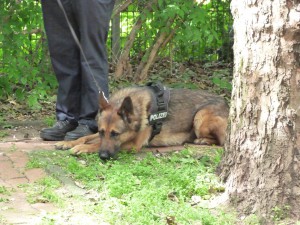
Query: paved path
[[14, 207]]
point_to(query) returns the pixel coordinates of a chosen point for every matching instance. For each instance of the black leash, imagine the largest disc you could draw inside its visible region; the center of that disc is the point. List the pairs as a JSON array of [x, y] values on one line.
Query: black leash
[[78, 43]]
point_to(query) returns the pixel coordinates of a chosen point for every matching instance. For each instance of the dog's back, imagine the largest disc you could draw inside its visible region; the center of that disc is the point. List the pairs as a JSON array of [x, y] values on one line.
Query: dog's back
[[190, 112]]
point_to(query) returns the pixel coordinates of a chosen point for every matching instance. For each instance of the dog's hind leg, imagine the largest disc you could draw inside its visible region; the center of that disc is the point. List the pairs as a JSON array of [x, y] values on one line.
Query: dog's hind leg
[[210, 128]]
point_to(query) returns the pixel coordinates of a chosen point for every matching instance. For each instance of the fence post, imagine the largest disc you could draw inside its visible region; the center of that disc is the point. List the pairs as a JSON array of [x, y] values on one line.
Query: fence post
[[115, 36]]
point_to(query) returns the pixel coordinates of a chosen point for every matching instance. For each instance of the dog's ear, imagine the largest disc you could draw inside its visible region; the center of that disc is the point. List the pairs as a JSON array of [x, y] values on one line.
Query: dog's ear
[[126, 109], [103, 102]]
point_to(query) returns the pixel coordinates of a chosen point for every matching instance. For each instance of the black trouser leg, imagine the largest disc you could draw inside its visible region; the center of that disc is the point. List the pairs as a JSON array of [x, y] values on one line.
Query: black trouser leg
[[93, 17], [77, 97], [64, 57]]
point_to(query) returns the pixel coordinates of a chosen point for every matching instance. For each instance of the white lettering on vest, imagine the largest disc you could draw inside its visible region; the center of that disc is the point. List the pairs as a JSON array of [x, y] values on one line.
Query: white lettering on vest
[[158, 116]]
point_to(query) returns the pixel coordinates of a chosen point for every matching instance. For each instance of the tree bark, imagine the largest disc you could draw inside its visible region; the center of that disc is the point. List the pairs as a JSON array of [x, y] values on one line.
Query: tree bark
[[262, 153]]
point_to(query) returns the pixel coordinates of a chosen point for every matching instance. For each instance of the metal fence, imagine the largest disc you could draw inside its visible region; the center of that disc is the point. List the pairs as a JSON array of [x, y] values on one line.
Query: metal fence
[[219, 20]]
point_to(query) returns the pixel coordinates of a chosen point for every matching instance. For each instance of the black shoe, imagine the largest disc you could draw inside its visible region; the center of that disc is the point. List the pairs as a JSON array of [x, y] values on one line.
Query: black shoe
[[80, 131], [58, 131]]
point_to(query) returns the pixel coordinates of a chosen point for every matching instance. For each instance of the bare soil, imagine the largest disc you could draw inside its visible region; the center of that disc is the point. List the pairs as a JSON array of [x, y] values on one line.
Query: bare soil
[[23, 135]]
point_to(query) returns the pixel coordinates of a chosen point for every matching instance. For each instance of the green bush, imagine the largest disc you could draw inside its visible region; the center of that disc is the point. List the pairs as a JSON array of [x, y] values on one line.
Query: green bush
[[25, 69]]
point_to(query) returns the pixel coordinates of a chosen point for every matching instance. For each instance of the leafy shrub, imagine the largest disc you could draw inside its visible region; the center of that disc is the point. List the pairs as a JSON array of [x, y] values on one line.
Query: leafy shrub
[[25, 68]]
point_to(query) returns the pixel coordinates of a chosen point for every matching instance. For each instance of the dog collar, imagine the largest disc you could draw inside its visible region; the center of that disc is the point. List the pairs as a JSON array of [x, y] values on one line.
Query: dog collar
[[159, 111]]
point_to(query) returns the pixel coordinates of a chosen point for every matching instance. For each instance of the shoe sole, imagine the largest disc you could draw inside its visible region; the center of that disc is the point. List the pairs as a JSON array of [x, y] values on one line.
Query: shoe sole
[[49, 137], [73, 137], [70, 136]]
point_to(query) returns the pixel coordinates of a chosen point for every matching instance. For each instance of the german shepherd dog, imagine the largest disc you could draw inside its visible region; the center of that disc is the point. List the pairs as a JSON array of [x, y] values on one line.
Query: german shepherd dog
[[193, 116]]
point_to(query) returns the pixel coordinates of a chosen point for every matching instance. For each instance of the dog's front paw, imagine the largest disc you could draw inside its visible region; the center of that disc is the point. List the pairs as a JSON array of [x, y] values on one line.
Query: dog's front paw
[[64, 145], [79, 149], [84, 148]]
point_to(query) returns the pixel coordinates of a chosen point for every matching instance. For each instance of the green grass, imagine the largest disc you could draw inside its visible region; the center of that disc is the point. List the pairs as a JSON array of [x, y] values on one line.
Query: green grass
[[43, 191], [146, 189], [4, 193], [3, 134], [4, 190], [2, 220]]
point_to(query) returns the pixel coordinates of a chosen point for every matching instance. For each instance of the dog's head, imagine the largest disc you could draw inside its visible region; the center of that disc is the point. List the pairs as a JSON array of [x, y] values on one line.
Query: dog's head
[[117, 125]]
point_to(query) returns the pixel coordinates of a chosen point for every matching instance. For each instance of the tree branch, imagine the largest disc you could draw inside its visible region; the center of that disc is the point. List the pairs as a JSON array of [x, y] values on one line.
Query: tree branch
[[120, 8], [149, 58], [123, 63]]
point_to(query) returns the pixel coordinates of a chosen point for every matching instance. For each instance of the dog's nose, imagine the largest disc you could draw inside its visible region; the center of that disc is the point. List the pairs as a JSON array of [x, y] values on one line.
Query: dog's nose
[[104, 155]]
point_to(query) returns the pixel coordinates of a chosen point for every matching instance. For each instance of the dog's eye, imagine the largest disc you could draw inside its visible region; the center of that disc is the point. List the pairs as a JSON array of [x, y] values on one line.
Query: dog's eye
[[101, 133], [114, 133]]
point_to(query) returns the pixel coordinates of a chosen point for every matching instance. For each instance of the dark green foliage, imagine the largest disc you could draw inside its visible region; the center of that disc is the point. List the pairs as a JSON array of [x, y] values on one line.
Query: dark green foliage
[[25, 68], [201, 32]]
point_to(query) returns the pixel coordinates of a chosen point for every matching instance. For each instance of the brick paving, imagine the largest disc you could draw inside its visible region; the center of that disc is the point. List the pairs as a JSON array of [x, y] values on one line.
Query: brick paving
[[14, 207]]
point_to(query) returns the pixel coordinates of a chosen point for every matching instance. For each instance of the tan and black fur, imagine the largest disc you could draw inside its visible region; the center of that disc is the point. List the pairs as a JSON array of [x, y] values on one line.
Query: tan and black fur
[[194, 116]]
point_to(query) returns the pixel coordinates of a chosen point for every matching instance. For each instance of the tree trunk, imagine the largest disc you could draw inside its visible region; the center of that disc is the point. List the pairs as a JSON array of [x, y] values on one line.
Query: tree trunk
[[262, 152], [115, 34], [150, 56], [123, 65]]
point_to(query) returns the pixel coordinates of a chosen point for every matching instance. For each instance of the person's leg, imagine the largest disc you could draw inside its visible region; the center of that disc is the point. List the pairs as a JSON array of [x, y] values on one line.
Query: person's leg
[[65, 58], [93, 18]]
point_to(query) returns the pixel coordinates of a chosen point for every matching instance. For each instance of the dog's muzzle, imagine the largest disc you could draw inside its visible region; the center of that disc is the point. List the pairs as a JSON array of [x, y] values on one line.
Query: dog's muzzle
[[104, 155], [107, 155]]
